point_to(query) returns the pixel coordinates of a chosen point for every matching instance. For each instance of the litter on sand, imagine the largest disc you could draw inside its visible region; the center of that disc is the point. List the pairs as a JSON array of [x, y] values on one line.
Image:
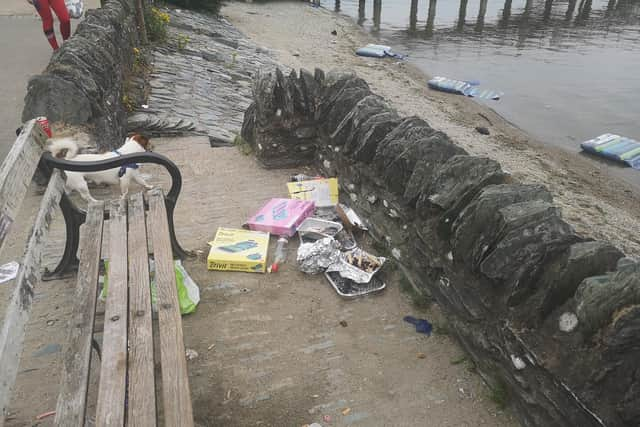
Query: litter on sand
[[9, 271], [461, 87], [313, 229], [378, 51], [315, 257], [187, 288], [281, 216], [323, 191], [348, 288], [615, 147], [422, 326], [350, 218], [238, 250]]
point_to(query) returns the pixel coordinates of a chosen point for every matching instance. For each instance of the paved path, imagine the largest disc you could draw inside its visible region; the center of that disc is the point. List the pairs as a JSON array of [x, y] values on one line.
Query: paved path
[[24, 52], [272, 351]]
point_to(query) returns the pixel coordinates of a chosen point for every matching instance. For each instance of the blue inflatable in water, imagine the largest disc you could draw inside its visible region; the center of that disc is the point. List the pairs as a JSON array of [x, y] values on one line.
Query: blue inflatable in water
[[466, 88], [615, 147]]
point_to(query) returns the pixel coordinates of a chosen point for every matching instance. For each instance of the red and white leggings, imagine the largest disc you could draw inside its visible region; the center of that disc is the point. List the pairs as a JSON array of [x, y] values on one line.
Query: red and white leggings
[[44, 9]]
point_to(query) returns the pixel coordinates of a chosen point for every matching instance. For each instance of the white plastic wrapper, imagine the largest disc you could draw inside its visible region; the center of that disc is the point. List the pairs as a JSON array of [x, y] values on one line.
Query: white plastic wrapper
[[9, 271], [75, 8], [315, 257]]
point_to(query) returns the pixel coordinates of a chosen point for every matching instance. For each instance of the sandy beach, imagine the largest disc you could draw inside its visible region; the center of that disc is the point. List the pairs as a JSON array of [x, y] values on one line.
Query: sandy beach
[[592, 198]]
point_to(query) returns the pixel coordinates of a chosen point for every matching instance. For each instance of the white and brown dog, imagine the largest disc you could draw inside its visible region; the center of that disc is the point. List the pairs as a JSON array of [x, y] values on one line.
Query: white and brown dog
[[67, 148]]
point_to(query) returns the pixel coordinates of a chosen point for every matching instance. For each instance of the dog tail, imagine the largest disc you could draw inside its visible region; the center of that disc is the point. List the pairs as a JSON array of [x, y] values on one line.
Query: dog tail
[[63, 148]]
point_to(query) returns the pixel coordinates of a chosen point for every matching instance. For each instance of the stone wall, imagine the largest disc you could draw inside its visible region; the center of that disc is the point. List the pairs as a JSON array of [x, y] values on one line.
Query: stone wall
[[83, 83], [548, 315]]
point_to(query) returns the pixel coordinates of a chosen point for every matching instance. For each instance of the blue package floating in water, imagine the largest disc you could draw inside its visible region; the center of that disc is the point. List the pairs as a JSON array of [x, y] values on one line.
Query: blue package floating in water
[[378, 51], [615, 147], [460, 87]]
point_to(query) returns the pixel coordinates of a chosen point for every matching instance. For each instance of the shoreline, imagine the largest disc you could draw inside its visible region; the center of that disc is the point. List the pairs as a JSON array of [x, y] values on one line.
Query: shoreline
[[300, 37]]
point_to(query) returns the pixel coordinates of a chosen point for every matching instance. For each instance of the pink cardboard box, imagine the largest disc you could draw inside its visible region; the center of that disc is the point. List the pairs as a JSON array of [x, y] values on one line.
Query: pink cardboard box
[[281, 216]]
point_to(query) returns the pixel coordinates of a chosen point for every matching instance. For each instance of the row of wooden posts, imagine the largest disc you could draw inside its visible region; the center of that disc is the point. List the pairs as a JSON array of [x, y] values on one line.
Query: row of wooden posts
[[584, 9]]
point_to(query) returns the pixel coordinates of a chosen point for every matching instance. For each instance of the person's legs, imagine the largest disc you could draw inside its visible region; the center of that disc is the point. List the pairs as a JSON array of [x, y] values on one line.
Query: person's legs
[[42, 6], [62, 13]]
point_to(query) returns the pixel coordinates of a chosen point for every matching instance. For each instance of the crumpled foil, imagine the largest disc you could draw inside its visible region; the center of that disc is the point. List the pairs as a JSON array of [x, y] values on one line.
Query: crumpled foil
[[352, 272], [315, 257]]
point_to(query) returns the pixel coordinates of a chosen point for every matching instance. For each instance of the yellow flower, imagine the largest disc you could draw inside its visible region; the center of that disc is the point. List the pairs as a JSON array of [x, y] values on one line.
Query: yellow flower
[[136, 51]]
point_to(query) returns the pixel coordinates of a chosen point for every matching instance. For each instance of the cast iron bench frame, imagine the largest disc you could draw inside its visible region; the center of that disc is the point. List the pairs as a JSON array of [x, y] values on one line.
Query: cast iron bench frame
[[127, 387]]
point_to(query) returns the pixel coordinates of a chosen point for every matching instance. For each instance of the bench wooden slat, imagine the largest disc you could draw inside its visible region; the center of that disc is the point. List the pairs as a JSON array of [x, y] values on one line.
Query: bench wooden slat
[[16, 173], [141, 398], [175, 382], [113, 372], [17, 315], [72, 400]]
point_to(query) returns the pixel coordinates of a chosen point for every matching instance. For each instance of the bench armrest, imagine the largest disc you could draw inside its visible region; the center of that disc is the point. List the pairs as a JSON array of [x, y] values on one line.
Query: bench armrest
[[50, 162], [75, 216]]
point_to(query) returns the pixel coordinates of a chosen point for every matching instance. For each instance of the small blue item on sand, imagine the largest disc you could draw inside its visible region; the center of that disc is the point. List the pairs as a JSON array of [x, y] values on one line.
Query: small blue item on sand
[[422, 326], [615, 147], [377, 51], [460, 87]]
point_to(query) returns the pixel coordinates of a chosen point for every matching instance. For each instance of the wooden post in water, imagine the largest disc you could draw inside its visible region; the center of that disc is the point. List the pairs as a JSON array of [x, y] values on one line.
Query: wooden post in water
[[548, 5], [377, 11], [527, 7], [506, 13], [584, 11], [361, 16], [462, 14], [570, 10], [481, 14], [413, 15], [431, 18]]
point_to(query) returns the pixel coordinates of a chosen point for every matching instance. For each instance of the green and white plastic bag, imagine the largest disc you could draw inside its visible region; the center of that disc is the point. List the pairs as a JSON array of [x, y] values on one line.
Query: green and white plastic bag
[[188, 291]]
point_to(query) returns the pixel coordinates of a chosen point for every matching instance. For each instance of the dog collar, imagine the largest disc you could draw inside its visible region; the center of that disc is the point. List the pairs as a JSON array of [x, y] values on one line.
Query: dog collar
[[123, 168]]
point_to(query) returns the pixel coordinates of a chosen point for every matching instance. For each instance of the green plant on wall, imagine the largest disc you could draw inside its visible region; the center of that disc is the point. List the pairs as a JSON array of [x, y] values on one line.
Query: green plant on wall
[[183, 41], [156, 22]]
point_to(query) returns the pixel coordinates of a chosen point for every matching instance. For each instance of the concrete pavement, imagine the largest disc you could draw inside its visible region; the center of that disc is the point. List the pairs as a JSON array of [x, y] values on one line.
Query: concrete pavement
[[24, 52]]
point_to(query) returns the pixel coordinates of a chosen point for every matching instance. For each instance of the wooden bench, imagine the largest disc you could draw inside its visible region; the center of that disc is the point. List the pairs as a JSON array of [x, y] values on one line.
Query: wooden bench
[[127, 388]]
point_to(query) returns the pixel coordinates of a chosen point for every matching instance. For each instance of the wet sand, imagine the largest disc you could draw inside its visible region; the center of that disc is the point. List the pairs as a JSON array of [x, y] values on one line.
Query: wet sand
[[590, 193]]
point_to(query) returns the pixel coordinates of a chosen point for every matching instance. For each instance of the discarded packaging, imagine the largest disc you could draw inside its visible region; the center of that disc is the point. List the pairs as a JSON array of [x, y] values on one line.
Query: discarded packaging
[[280, 256], [188, 290], [9, 271], [350, 218], [313, 229], [377, 51], [347, 288], [460, 87], [323, 191], [422, 326], [281, 216], [302, 177], [315, 257], [328, 214], [190, 354], [346, 239], [357, 265], [238, 250]]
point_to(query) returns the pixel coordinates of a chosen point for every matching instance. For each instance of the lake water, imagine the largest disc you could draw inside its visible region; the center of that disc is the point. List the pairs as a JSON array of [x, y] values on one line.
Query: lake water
[[570, 70]]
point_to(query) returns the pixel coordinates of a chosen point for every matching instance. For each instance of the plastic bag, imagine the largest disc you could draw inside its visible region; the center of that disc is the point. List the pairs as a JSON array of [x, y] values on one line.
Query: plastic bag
[[188, 290], [75, 8]]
